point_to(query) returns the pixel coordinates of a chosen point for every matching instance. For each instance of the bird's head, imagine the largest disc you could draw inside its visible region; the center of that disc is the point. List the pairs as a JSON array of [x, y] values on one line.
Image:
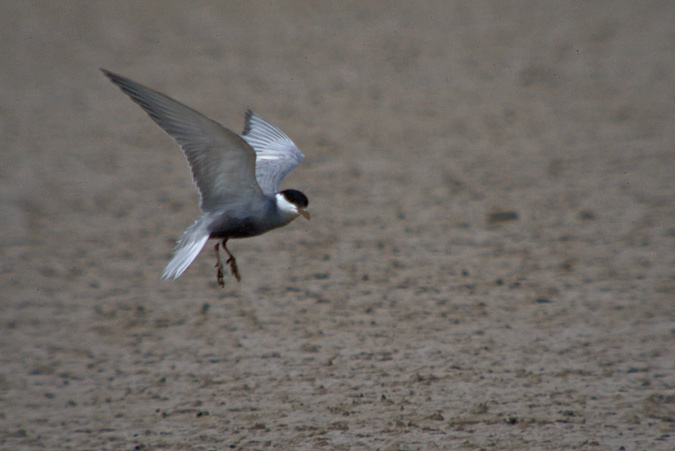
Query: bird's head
[[293, 202]]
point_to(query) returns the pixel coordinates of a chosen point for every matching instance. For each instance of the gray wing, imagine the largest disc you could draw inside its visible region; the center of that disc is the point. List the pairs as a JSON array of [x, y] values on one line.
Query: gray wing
[[276, 155], [222, 163]]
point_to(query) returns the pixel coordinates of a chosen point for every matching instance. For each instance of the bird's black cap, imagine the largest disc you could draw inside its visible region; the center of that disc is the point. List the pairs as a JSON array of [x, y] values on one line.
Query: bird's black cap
[[296, 197]]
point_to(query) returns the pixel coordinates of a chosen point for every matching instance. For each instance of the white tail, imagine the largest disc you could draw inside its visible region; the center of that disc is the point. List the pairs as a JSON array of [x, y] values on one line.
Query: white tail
[[189, 245]]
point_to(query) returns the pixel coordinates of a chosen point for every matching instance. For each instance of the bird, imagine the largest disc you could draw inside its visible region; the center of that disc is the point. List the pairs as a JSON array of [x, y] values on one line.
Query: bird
[[237, 176]]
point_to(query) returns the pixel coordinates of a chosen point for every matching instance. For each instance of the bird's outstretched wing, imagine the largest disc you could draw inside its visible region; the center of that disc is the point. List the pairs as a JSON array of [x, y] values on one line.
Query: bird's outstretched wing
[[276, 155], [222, 163]]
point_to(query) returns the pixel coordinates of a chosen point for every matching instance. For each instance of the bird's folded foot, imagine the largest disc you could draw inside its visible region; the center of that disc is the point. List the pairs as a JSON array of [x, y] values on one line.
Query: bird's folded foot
[[231, 261], [219, 265], [220, 278], [234, 268]]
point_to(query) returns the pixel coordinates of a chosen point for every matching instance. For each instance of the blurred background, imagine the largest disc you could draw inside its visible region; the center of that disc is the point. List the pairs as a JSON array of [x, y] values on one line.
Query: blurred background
[[492, 239]]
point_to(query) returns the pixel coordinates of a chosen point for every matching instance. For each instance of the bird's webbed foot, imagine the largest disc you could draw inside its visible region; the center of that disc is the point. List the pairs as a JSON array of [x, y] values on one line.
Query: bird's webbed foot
[[219, 266], [231, 261]]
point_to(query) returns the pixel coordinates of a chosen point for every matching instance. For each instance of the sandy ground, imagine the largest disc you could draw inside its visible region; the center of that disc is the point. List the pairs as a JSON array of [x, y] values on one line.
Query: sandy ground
[[490, 262]]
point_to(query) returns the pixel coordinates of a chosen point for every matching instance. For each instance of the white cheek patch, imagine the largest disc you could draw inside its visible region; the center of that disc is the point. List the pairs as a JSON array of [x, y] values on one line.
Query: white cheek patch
[[285, 206]]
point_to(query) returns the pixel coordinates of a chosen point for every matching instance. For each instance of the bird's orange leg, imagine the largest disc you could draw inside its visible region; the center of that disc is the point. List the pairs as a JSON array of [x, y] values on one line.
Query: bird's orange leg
[[233, 262], [219, 265]]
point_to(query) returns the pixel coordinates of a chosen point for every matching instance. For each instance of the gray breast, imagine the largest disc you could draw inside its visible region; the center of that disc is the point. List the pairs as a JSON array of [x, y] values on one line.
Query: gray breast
[[251, 220]]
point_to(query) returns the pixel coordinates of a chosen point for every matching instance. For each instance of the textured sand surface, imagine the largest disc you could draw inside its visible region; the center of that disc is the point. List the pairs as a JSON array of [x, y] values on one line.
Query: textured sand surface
[[490, 262]]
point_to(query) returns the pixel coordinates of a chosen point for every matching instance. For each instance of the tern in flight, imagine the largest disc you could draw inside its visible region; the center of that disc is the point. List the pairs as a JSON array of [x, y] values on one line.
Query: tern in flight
[[237, 176]]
